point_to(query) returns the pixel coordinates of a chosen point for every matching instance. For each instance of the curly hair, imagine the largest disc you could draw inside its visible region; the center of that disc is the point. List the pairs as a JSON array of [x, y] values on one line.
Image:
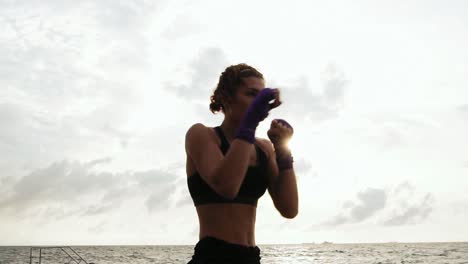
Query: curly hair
[[230, 79]]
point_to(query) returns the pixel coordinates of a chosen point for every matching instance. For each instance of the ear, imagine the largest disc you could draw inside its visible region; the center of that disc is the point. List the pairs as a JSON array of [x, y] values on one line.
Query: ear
[[226, 101]]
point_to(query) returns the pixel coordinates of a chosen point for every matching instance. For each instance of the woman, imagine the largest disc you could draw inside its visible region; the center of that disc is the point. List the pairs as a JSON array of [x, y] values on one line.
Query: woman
[[229, 169]]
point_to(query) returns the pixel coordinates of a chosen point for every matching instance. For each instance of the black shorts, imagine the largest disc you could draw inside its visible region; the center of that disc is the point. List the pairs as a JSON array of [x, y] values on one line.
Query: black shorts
[[211, 250]]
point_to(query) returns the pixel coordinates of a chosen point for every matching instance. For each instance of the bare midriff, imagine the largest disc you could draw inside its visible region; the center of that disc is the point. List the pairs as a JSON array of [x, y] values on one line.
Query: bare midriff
[[231, 222]]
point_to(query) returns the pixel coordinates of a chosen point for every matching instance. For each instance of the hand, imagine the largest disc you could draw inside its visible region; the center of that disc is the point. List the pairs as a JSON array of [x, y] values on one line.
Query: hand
[[257, 112], [280, 133], [277, 101], [260, 106]]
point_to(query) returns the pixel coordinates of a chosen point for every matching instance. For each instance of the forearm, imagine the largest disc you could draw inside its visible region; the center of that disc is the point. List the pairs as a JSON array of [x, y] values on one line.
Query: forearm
[[233, 167], [285, 186]]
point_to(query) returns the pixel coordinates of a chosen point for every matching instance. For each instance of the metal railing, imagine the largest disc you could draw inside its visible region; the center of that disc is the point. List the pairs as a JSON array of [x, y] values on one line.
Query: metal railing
[[73, 257]]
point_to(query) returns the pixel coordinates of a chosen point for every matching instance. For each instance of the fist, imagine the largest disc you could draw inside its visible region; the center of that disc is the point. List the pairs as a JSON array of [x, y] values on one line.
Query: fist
[[280, 132]]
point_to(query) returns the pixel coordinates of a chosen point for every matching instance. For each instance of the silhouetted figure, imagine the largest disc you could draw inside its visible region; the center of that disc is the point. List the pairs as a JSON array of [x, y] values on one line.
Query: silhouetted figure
[[229, 169]]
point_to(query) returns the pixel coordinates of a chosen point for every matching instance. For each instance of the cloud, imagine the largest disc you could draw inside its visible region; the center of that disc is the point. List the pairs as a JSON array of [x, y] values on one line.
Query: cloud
[[205, 71], [463, 108], [391, 137], [31, 137], [56, 38], [334, 85], [337, 220], [459, 207], [397, 206], [307, 104], [394, 130], [406, 207], [463, 111], [317, 106], [182, 27], [99, 228], [207, 67], [98, 209], [67, 188], [159, 200], [302, 166], [186, 199], [413, 214], [69, 76], [372, 200], [368, 203], [60, 181], [404, 187]]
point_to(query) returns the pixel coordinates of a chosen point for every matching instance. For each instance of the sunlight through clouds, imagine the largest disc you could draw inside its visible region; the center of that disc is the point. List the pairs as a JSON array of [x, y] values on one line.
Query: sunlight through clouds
[[99, 95]]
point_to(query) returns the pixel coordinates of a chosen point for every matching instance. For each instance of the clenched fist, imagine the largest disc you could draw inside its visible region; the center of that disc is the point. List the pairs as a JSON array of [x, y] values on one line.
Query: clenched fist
[[280, 132]]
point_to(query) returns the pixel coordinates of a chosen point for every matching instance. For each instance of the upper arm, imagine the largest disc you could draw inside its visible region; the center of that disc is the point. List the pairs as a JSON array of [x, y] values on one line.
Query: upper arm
[[201, 147], [272, 167], [273, 174]]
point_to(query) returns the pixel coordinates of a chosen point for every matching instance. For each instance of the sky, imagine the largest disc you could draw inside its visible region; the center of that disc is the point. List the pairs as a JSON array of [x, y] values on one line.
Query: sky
[[96, 98]]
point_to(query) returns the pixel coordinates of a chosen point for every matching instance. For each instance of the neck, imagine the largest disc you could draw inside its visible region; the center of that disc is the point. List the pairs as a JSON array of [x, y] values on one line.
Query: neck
[[230, 128]]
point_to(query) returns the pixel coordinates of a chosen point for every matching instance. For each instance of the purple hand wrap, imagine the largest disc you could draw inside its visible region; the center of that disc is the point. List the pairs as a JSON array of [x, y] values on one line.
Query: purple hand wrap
[[282, 121], [257, 111]]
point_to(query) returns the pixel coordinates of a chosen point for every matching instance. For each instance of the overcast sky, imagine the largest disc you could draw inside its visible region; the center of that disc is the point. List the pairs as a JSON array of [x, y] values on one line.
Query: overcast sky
[[96, 98]]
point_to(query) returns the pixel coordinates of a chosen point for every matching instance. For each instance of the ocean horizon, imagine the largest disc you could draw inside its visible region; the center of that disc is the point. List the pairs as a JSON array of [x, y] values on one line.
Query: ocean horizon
[[307, 252]]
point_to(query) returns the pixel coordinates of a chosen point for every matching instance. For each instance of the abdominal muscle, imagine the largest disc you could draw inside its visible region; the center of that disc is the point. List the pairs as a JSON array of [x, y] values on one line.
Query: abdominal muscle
[[233, 223]]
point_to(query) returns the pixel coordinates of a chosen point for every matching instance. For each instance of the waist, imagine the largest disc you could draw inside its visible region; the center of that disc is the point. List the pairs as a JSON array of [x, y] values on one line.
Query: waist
[[213, 249], [234, 223], [245, 240]]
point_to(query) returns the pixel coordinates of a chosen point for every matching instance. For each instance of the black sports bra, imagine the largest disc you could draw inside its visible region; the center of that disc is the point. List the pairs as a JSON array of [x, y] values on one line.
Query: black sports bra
[[252, 188]]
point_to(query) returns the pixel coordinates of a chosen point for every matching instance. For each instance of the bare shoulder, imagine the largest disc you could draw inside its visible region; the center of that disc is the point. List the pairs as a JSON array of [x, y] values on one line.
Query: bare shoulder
[[196, 130], [200, 133]]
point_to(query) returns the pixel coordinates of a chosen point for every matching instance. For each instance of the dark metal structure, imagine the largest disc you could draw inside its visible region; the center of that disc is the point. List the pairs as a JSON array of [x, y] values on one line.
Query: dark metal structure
[[71, 254]]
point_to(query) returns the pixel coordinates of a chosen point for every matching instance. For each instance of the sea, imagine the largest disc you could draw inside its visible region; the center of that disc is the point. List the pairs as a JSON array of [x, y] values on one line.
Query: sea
[[383, 253]]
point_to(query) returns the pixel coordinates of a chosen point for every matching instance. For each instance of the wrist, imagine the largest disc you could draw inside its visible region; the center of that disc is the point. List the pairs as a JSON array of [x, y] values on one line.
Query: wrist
[[284, 159], [281, 149], [246, 134]]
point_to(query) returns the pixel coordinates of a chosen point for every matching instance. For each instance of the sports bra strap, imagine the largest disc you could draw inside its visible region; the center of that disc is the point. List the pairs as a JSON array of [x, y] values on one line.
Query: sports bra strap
[[224, 142], [225, 146]]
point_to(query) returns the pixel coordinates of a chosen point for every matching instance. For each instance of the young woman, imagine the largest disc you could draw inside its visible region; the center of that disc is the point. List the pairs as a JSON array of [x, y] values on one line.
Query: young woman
[[229, 169]]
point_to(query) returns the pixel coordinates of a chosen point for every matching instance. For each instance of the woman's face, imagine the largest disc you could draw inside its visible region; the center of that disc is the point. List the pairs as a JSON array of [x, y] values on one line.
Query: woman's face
[[244, 96]]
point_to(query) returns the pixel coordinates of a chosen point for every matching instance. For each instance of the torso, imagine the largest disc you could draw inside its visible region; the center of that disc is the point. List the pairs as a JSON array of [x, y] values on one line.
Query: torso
[[234, 223]]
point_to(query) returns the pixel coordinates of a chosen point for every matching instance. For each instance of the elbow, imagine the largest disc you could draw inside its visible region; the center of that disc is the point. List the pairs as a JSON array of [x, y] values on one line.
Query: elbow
[[290, 214], [227, 191], [229, 196], [223, 187]]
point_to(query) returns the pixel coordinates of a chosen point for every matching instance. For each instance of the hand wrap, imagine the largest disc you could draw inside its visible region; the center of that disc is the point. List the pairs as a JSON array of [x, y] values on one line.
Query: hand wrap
[[284, 159], [257, 111]]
